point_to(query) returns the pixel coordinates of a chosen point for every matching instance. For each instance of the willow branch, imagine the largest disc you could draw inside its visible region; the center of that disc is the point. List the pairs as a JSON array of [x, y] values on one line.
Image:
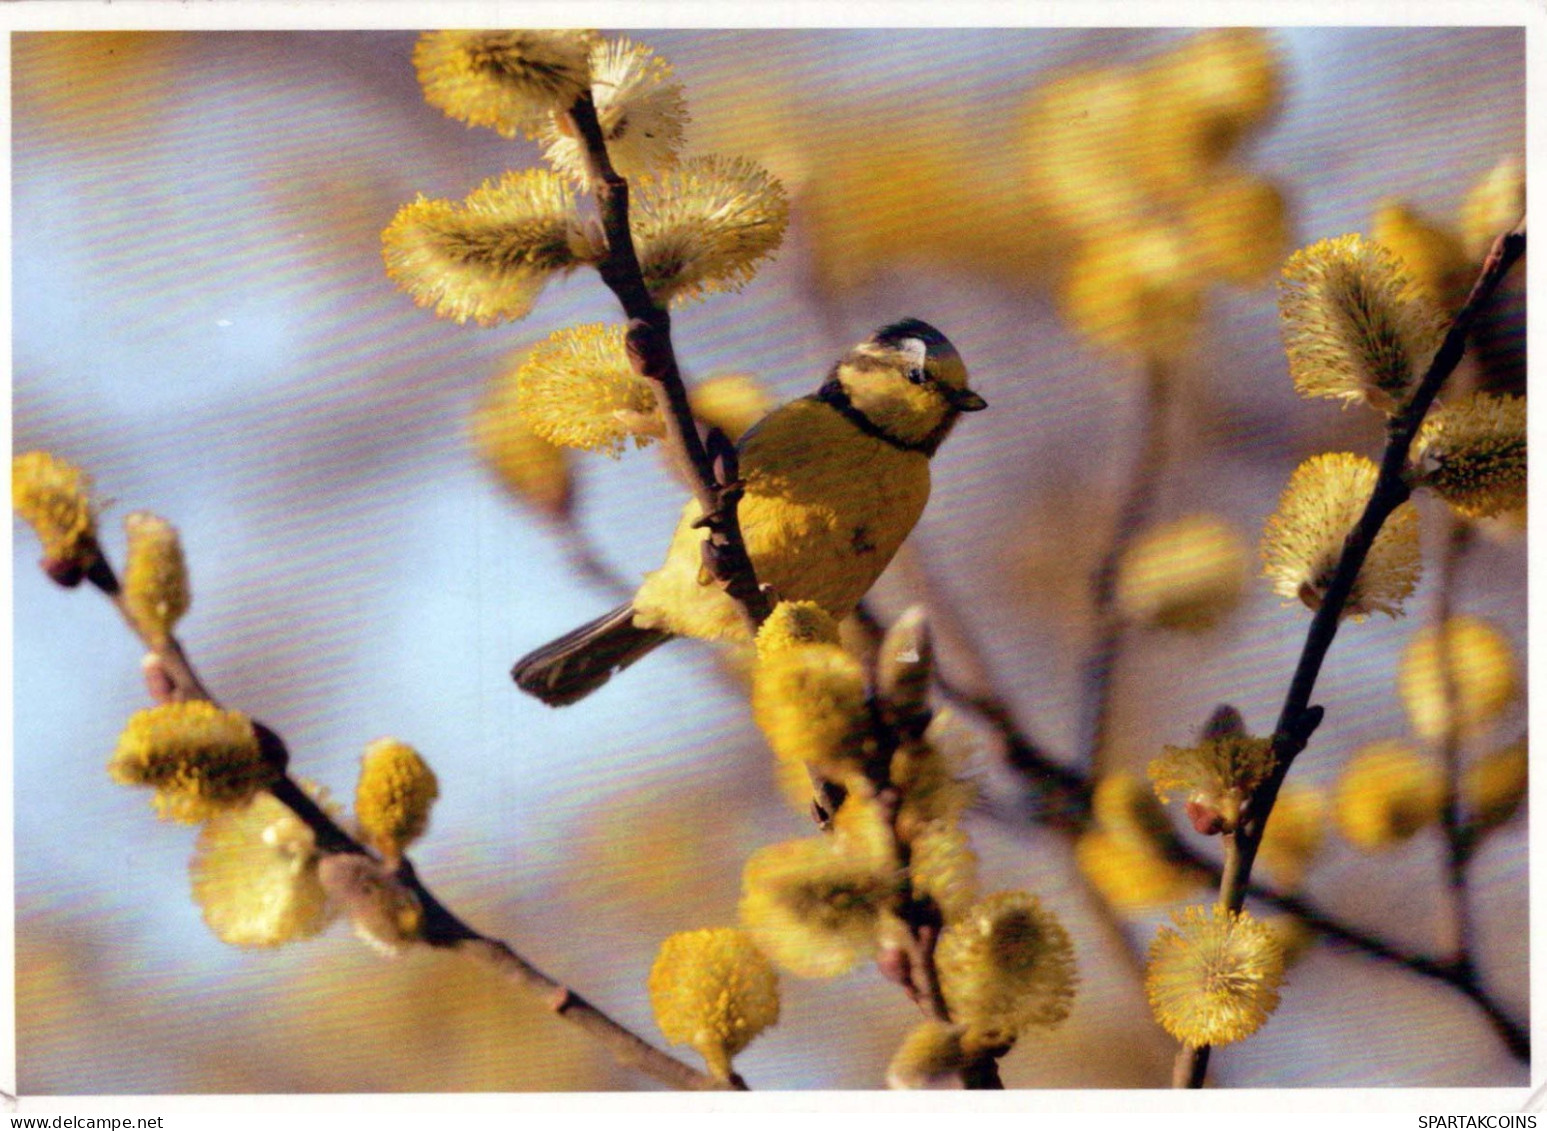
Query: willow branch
[[900, 716], [1458, 838], [1297, 719], [441, 927], [1143, 483], [712, 474]]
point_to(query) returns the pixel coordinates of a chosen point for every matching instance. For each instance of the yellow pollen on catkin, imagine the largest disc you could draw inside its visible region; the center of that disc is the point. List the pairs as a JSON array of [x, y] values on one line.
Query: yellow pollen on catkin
[[1005, 966], [1220, 774], [1304, 538], [487, 258], [944, 868], [793, 624], [509, 81], [641, 112], [199, 759], [393, 796], [932, 774], [155, 586], [814, 905], [715, 991], [1355, 326], [811, 703], [1213, 977], [254, 875], [577, 389], [704, 226], [1473, 454], [53, 496], [930, 1056]]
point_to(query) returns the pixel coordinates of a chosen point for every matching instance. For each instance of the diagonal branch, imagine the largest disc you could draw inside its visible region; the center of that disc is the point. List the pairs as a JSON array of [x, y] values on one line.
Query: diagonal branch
[[441, 927], [650, 351], [1298, 720]]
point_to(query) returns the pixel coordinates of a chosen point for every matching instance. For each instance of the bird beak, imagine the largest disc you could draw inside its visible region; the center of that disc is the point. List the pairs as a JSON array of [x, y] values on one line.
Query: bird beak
[[965, 400]]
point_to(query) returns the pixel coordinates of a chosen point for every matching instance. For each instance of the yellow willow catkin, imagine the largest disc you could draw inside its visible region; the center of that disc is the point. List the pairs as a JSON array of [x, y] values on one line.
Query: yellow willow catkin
[[1473, 454], [714, 990], [393, 797], [1215, 776], [810, 701], [487, 258], [1005, 966], [199, 758], [577, 389], [1213, 976], [641, 112], [1482, 677], [930, 1056], [53, 496], [254, 875], [1304, 538], [1186, 575], [1386, 793], [509, 81], [1355, 327], [156, 591], [1431, 255], [533, 470], [813, 905], [705, 225]]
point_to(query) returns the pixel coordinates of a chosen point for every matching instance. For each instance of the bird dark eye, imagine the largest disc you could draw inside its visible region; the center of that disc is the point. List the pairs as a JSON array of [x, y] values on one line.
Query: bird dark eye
[[917, 376]]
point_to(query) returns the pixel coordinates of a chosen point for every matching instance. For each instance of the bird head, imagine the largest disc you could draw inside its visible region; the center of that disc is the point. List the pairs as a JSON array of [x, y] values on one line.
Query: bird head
[[908, 381]]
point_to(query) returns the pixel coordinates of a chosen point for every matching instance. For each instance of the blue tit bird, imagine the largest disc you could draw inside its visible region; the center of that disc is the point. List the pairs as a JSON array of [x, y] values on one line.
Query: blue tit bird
[[834, 482]]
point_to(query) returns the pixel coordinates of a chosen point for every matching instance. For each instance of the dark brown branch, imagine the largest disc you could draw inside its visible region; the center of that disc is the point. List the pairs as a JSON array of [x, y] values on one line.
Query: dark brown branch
[[1298, 720], [654, 358], [1062, 801]]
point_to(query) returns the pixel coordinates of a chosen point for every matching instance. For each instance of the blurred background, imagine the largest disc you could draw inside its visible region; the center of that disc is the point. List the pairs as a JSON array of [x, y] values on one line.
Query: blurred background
[[201, 319]]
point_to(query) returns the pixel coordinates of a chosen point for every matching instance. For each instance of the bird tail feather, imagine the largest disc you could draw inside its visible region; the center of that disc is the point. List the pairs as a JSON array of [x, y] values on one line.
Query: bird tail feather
[[577, 663]]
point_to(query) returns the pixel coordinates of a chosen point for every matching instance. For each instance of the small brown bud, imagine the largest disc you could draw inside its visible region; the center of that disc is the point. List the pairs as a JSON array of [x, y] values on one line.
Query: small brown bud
[[1205, 818], [385, 913], [65, 572], [1225, 722], [158, 681], [903, 670]]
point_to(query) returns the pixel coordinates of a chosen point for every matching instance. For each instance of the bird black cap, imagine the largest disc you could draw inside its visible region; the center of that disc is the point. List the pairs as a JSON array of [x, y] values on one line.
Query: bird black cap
[[911, 328]]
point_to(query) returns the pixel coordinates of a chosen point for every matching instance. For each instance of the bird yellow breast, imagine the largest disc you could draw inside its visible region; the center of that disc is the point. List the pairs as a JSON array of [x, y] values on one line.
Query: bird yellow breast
[[826, 507]]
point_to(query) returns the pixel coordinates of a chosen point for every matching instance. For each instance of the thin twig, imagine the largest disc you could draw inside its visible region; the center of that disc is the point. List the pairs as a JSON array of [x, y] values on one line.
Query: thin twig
[[1297, 719], [1100, 666], [899, 720], [442, 928], [1458, 838]]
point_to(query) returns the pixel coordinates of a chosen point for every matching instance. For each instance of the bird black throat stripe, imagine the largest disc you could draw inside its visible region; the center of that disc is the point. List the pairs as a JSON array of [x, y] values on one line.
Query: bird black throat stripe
[[834, 395]]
